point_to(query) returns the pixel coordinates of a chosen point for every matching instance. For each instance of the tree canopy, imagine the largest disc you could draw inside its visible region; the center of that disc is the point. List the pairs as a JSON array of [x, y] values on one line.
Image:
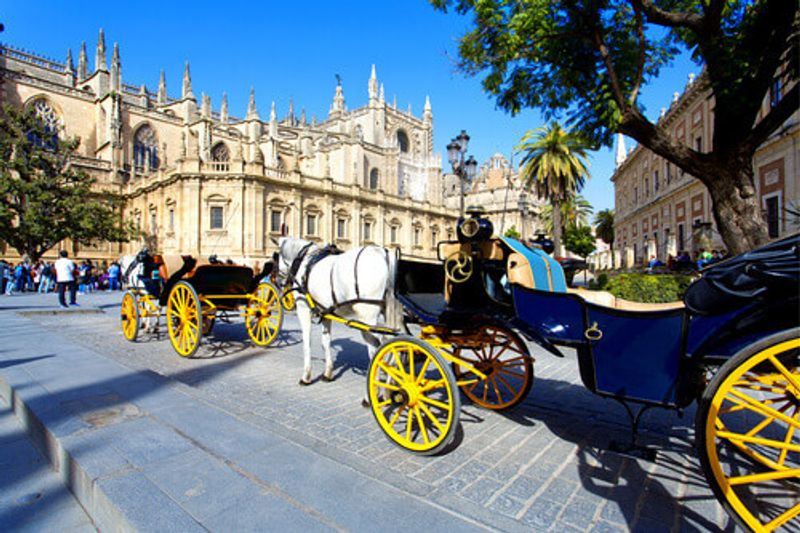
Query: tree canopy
[[589, 61], [44, 198], [579, 240]]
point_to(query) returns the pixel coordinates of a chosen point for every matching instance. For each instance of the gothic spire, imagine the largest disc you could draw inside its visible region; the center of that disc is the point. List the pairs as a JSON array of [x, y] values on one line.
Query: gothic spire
[[162, 89], [427, 114], [290, 114], [83, 68], [372, 86], [186, 91], [205, 105], [272, 114], [252, 112], [116, 70], [303, 116], [620, 155], [381, 99], [338, 101], [100, 53], [70, 67], [223, 109]]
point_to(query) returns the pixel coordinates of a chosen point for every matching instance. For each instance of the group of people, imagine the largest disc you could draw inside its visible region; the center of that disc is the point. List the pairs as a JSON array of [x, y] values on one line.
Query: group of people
[[61, 276], [684, 262]]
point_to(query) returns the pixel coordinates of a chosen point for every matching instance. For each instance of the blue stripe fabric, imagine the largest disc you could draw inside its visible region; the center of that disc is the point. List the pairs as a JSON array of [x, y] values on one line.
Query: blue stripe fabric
[[539, 262]]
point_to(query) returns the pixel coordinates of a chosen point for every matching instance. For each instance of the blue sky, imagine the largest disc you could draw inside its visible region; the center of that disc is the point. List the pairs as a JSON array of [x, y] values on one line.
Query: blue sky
[[294, 50]]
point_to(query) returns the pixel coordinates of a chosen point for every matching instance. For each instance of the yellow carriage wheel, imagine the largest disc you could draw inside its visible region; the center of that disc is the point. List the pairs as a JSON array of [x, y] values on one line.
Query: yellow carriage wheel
[[748, 434], [503, 357], [264, 315], [412, 393], [288, 300], [129, 316], [184, 317]]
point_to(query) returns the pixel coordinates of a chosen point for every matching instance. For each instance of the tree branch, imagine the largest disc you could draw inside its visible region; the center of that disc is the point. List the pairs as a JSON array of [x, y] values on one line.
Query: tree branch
[[637, 9], [671, 19], [612, 74]]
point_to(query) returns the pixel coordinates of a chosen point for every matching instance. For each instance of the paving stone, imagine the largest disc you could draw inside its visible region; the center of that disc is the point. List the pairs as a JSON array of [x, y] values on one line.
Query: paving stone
[[481, 491], [506, 505], [542, 513], [523, 488]]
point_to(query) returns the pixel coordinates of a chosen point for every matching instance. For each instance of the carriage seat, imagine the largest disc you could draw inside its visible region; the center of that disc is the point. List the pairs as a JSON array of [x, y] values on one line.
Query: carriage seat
[[606, 299]]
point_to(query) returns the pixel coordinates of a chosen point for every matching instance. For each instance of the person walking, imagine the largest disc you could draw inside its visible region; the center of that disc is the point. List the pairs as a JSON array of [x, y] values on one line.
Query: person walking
[[65, 279], [113, 277], [45, 278]]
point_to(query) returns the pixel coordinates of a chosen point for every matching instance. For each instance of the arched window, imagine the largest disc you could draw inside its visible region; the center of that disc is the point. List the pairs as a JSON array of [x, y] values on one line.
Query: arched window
[[145, 149], [50, 120], [374, 179], [220, 153], [402, 141]]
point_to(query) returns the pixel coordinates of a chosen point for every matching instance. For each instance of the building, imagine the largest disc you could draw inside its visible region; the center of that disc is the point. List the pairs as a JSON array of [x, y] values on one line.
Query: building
[[498, 189], [660, 210], [198, 180]]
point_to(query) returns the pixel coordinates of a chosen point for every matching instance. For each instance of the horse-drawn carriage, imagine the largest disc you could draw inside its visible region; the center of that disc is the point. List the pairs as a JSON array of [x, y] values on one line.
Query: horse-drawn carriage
[[194, 293], [733, 345]]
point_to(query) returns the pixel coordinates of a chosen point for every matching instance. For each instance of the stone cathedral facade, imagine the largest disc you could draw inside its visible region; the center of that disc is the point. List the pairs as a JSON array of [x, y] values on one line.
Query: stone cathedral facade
[[201, 181]]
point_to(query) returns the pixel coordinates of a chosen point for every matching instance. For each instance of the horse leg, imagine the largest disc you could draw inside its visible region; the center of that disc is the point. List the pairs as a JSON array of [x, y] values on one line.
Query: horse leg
[[326, 347], [304, 316]]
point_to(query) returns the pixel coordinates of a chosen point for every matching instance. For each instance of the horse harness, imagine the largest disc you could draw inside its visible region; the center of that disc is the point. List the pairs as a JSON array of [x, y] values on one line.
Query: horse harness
[[330, 312]]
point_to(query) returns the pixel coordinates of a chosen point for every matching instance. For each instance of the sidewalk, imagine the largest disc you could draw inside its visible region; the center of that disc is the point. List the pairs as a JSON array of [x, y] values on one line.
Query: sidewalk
[[140, 454]]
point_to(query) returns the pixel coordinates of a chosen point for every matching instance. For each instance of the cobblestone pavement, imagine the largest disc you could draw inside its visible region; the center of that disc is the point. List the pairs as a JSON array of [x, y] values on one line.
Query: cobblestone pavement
[[541, 466]]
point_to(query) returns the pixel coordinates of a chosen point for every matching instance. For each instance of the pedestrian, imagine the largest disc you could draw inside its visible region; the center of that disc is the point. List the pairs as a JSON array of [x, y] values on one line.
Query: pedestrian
[[45, 278], [65, 278], [3, 275], [113, 276]]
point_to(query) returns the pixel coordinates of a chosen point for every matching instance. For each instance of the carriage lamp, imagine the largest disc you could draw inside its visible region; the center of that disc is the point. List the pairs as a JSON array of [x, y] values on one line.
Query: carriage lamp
[[464, 169]]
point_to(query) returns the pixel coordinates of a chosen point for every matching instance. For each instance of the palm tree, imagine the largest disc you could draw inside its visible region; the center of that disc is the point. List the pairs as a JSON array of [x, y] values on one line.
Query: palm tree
[[604, 228], [574, 212], [554, 165]]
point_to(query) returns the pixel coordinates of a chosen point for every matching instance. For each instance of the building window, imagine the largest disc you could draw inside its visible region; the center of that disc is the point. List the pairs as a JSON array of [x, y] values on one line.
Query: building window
[[171, 219], [393, 234], [772, 205], [669, 173], [220, 153], [636, 196], [646, 187], [417, 236], [311, 224], [374, 179], [275, 220], [681, 242], [698, 144], [145, 149], [367, 230], [51, 123], [402, 141], [434, 238], [216, 217], [341, 228], [153, 221], [775, 92], [655, 181]]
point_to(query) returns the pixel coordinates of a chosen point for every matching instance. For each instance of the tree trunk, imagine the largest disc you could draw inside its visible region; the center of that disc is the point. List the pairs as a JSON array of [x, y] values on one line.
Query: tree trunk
[[557, 229], [613, 259], [736, 208]]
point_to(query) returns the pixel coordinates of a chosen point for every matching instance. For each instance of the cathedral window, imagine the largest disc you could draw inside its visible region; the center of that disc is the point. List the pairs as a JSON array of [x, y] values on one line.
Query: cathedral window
[[374, 179], [311, 224], [417, 235], [220, 157], [394, 232], [402, 141], [275, 220], [50, 120], [434, 236], [171, 219], [341, 228], [145, 149], [367, 230], [216, 217]]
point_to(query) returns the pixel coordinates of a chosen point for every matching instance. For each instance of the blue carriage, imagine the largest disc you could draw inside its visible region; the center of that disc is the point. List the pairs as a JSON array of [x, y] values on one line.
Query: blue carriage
[[732, 345]]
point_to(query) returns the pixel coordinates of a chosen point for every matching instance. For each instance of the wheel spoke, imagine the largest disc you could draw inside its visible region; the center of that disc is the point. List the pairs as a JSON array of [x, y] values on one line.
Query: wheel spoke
[[409, 425], [765, 476], [436, 403], [496, 390], [507, 384], [384, 385], [392, 372], [759, 407], [397, 415], [792, 378], [738, 437], [421, 426], [788, 439], [433, 385], [423, 370], [435, 420]]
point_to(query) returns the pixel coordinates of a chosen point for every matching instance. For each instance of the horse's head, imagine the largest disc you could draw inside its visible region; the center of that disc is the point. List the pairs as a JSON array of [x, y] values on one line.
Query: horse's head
[[288, 250]]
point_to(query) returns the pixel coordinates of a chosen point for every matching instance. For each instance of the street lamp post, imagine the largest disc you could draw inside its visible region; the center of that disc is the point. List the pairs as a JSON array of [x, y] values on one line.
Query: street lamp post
[[464, 169]]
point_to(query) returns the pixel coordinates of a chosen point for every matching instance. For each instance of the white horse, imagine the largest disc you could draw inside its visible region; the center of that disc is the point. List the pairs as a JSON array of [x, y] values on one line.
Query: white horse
[[131, 271], [357, 284]]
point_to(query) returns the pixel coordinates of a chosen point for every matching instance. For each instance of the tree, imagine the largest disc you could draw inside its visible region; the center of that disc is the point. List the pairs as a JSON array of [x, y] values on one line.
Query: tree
[[579, 240], [575, 210], [513, 232], [554, 165], [604, 228], [589, 61], [44, 199]]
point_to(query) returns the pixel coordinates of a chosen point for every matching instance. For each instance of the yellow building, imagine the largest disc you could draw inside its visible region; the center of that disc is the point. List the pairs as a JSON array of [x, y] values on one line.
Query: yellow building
[[200, 181], [660, 210]]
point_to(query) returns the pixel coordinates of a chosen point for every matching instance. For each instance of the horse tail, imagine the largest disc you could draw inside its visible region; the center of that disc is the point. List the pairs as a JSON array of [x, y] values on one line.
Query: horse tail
[[393, 313]]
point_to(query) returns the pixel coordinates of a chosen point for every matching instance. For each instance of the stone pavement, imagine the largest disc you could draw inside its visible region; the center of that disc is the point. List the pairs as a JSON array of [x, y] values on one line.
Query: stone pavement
[[228, 440]]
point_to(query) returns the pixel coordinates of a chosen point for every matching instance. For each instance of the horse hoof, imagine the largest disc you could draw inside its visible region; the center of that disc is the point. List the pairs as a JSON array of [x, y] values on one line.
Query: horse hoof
[[304, 383], [327, 379], [364, 404]]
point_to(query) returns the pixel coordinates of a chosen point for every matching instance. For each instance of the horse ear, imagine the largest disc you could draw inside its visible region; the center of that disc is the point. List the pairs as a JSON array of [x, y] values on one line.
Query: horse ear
[[275, 242]]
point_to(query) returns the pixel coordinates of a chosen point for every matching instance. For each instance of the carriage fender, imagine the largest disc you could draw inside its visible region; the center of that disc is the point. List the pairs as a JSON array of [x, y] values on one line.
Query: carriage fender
[[532, 335]]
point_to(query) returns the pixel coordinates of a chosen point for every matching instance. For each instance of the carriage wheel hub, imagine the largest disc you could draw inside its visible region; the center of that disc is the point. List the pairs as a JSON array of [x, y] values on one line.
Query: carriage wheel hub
[[400, 397]]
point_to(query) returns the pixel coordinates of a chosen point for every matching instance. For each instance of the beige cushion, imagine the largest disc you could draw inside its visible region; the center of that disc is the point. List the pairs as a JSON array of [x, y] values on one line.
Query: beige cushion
[[606, 299]]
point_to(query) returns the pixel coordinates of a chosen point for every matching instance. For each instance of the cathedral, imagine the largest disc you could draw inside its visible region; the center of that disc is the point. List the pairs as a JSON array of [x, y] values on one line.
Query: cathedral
[[201, 181]]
